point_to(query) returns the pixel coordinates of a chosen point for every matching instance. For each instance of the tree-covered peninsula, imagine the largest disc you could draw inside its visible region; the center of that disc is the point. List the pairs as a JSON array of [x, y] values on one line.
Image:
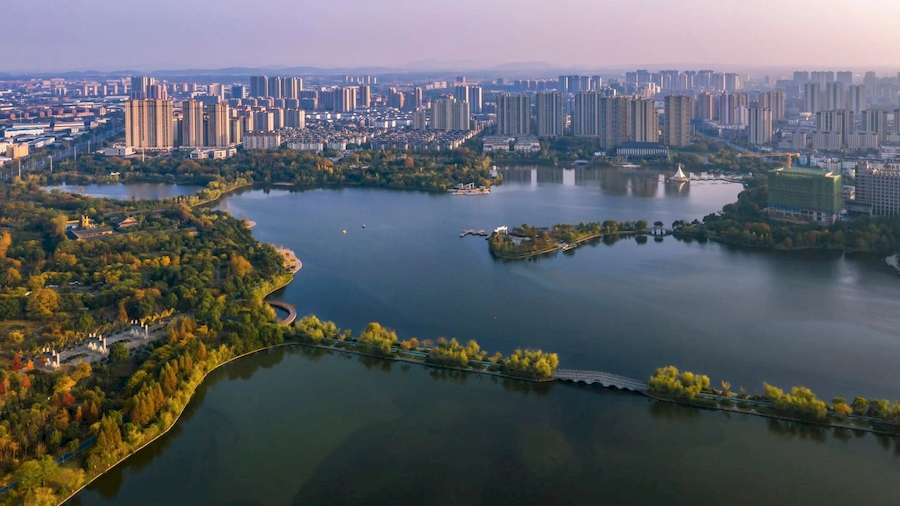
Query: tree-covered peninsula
[[198, 276], [528, 241]]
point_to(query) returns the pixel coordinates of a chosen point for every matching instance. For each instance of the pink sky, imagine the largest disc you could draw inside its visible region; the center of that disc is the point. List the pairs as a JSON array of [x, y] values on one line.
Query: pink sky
[[172, 34]]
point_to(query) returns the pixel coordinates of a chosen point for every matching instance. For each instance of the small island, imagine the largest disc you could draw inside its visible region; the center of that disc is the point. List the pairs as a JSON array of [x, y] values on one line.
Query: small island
[[528, 241]]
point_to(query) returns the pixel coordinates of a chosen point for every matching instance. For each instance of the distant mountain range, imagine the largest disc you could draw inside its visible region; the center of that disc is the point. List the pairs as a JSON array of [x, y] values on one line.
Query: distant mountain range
[[432, 67]]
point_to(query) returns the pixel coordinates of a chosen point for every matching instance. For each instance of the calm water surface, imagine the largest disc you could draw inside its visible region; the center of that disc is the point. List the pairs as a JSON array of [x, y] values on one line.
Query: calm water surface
[[130, 191], [328, 430]]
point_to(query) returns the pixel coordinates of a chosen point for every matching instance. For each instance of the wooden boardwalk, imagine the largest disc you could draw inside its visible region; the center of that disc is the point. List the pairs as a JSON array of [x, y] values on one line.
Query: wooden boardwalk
[[292, 311], [606, 379]]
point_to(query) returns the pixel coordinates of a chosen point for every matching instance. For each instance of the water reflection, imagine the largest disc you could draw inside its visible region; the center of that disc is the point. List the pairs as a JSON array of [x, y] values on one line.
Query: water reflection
[[641, 183]]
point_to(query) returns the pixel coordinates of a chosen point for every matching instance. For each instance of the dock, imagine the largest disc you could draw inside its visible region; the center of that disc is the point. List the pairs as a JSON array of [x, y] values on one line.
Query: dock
[[481, 233], [290, 259]]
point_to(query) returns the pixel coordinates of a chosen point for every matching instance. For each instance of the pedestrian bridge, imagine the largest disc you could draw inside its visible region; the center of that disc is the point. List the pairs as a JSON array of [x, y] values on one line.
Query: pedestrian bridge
[[291, 310], [606, 379]]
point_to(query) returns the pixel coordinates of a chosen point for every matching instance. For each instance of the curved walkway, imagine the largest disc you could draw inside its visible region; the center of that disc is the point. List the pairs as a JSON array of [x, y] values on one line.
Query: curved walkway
[[291, 310]]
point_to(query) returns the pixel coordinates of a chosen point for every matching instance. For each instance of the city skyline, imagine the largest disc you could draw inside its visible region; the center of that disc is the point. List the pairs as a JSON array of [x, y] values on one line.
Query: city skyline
[[759, 33]]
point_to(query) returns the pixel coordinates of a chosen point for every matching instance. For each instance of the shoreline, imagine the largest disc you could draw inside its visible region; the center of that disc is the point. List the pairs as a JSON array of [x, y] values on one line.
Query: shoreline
[[557, 247], [174, 421], [297, 266], [447, 367], [269, 348], [718, 407]]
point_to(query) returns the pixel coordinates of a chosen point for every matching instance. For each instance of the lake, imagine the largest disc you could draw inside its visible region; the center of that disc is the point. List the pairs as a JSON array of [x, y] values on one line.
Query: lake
[[289, 428], [129, 191]]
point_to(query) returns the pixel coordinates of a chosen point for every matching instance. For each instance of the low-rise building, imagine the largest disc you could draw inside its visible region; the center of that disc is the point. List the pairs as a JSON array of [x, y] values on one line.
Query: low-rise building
[[262, 140], [642, 150], [16, 151], [121, 151]]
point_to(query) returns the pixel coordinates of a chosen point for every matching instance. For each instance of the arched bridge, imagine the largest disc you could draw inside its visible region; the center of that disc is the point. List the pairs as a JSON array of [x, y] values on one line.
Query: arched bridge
[[291, 310], [604, 378]]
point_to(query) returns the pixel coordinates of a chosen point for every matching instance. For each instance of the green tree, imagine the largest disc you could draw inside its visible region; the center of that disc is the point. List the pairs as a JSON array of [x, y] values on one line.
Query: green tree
[[42, 303], [118, 352], [5, 243], [49, 469], [29, 476]]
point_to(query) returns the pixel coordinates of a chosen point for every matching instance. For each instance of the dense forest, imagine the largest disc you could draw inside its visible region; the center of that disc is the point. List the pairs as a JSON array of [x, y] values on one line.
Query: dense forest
[[55, 291], [425, 170]]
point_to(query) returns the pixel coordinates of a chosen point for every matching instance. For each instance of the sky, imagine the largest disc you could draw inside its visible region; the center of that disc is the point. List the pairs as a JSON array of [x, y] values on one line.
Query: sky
[[67, 35]]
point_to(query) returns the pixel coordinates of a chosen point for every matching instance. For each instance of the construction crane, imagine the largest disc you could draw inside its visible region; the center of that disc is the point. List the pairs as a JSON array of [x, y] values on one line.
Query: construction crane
[[788, 156]]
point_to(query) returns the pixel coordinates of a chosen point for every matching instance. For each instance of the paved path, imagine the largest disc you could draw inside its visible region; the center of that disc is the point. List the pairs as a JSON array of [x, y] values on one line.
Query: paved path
[[604, 378], [292, 311]]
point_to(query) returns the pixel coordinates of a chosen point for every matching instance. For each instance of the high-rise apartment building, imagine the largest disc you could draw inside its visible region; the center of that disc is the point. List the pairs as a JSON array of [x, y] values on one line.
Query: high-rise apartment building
[[812, 97], [644, 121], [476, 99], [192, 123], [139, 87], [345, 99], [835, 96], [607, 118], [759, 128], [615, 121], [420, 120], [845, 77], [774, 101], [730, 107], [677, 120], [875, 121], [586, 114], [513, 114], [276, 87], [157, 92], [838, 122], [461, 93], [395, 98], [550, 114], [148, 124], [218, 126], [239, 91], [263, 121], [704, 107], [364, 97], [733, 82], [295, 118], [450, 114], [259, 86], [416, 99], [856, 99], [291, 87]]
